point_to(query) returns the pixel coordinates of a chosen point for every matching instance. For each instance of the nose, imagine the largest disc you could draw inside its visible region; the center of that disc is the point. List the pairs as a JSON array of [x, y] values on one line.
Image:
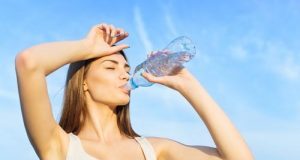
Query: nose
[[125, 75]]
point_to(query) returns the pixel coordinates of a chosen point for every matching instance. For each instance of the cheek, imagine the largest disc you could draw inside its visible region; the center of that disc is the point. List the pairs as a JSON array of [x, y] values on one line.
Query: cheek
[[103, 88], [108, 94], [100, 86]]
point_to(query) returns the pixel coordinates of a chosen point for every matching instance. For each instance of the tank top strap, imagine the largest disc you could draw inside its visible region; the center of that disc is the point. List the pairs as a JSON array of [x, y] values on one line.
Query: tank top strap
[[147, 148], [76, 151]]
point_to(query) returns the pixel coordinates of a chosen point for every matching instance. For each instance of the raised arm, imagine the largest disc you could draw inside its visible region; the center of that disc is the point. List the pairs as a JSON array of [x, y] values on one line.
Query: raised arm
[[230, 144], [32, 67]]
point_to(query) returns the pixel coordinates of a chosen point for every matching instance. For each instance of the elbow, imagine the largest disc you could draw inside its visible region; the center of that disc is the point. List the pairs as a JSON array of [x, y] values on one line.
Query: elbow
[[24, 61]]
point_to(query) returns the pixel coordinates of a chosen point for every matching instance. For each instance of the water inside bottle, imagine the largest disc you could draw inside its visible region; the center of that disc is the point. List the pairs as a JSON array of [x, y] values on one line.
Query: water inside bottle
[[164, 62]]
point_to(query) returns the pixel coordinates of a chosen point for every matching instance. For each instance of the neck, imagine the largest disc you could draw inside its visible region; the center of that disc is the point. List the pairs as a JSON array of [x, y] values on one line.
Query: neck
[[100, 124]]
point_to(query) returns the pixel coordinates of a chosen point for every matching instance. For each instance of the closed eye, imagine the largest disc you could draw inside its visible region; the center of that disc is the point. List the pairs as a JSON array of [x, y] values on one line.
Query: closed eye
[[110, 68]]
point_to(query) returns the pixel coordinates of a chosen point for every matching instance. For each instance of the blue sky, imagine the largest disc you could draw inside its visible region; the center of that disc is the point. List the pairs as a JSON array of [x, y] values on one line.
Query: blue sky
[[248, 58]]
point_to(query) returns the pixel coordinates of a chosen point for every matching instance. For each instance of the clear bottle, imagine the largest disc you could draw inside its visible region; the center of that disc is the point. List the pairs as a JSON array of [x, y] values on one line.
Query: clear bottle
[[164, 62]]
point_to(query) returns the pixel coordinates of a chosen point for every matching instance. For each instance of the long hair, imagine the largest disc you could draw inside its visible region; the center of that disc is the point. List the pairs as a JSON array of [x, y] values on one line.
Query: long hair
[[74, 109]]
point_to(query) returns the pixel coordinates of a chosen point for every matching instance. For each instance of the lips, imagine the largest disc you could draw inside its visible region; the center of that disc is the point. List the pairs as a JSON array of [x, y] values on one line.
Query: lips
[[124, 89]]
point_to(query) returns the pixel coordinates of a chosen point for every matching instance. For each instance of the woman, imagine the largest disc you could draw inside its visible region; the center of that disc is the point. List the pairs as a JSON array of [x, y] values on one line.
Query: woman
[[95, 120]]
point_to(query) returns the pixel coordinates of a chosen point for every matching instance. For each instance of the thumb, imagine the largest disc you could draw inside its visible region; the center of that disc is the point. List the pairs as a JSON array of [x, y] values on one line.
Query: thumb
[[152, 78], [118, 48]]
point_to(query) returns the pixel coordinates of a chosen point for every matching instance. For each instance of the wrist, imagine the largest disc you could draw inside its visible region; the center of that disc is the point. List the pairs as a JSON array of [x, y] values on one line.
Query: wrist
[[187, 86], [85, 48]]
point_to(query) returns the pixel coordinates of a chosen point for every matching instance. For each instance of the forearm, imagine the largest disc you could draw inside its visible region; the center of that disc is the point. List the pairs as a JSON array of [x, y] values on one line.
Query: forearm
[[229, 142], [48, 57]]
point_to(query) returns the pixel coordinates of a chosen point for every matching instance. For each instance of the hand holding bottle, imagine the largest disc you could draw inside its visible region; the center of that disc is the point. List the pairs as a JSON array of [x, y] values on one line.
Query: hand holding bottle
[[164, 62], [178, 80]]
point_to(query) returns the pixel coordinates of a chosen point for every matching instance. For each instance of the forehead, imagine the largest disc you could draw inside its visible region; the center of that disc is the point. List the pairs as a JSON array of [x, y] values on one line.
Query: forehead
[[116, 57]]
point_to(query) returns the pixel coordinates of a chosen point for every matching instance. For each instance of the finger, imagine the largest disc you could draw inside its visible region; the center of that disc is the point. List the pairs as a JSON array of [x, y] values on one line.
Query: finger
[[106, 29], [120, 35], [103, 28], [117, 35], [152, 78], [112, 33], [118, 31], [99, 29], [118, 48], [126, 34], [100, 26]]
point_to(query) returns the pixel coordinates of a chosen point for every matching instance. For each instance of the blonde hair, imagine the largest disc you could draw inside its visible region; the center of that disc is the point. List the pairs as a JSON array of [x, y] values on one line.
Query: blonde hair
[[74, 104]]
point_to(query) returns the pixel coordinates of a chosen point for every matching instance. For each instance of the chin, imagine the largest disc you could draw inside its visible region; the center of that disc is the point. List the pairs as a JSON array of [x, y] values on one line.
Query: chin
[[124, 102], [121, 101], [124, 99]]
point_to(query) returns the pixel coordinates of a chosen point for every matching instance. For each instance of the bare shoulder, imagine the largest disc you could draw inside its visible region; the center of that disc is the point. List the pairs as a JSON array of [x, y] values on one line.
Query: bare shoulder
[[158, 143], [166, 148]]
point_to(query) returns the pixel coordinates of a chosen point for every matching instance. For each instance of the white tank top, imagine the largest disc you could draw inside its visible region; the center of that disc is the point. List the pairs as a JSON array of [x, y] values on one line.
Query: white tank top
[[76, 151]]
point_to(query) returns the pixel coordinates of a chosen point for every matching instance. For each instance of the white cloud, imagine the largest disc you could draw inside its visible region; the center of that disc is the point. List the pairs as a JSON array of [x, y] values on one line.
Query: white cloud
[[276, 56], [269, 135], [175, 129], [275, 145], [8, 86], [266, 132], [13, 136], [282, 60], [289, 68], [170, 24], [239, 52], [9, 95], [161, 112], [142, 30]]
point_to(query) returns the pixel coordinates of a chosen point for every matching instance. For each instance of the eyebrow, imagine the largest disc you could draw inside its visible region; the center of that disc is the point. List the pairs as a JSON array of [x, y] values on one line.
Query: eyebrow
[[116, 62]]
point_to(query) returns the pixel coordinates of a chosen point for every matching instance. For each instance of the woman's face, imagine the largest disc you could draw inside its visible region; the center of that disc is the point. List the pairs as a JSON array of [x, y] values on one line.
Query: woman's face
[[105, 78]]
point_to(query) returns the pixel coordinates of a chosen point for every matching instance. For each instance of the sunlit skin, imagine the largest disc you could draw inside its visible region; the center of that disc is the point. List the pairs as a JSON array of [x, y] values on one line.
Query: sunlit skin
[[100, 135], [104, 91], [105, 79]]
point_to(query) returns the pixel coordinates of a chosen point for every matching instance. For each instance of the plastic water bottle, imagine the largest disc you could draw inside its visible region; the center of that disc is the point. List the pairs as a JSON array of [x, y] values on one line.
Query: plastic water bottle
[[164, 62]]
